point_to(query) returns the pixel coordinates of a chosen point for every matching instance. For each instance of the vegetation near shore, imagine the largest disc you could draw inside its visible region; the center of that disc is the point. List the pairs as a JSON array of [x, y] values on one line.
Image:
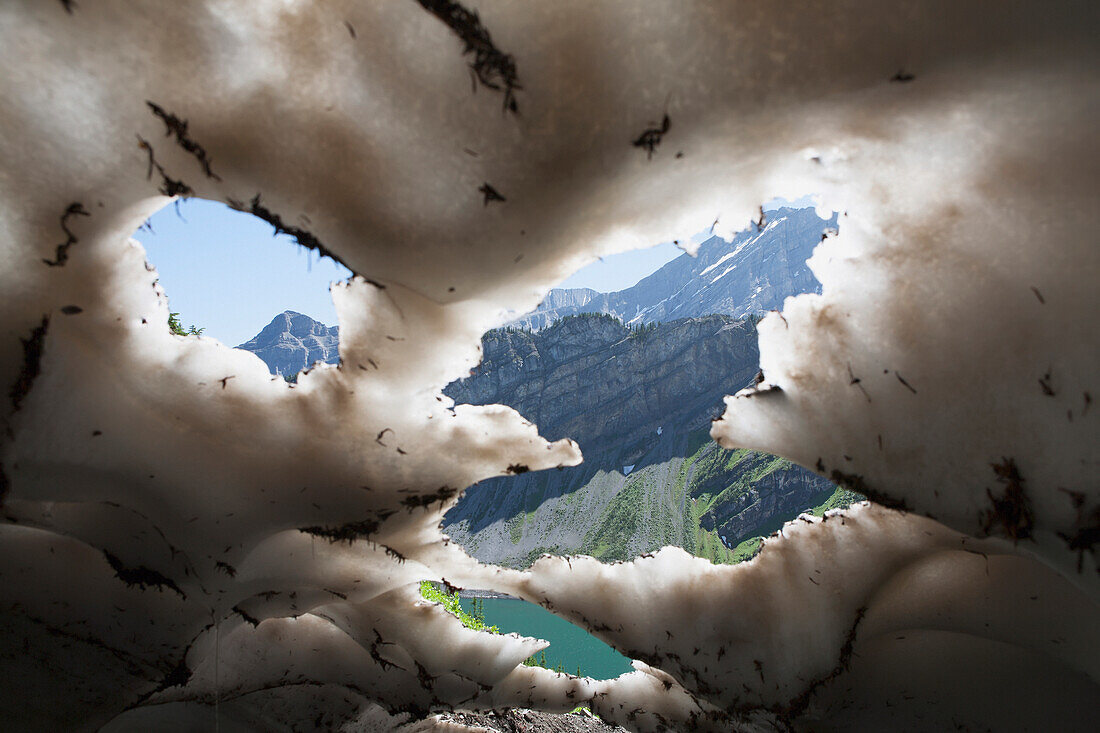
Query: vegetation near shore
[[450, 601]]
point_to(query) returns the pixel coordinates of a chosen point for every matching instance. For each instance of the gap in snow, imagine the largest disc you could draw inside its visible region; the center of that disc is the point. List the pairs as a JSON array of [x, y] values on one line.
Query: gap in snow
[[595, 352], [228, 273], [572, 649]]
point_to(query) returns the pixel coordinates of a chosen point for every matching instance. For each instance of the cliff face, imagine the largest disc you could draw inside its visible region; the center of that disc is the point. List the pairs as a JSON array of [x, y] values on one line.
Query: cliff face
[[741, 493], [637, 402], [605, 385], [751, 274]]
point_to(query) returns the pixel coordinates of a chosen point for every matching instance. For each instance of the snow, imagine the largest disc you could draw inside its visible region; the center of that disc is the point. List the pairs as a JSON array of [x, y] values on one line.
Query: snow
[[162, 494], [722, 259], [725, 272], [737, 250]]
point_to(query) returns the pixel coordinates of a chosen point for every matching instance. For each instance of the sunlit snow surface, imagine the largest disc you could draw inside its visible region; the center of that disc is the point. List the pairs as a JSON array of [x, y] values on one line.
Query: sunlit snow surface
[[156, 488]]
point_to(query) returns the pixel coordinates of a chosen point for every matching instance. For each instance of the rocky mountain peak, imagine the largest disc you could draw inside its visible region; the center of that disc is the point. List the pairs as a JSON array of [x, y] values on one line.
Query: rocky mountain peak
[[293, 341]]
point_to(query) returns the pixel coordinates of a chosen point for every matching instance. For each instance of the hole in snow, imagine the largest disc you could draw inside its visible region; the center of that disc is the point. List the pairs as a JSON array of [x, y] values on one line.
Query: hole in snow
[[634, 374], [229, 276], [572, 649], [631, 357]]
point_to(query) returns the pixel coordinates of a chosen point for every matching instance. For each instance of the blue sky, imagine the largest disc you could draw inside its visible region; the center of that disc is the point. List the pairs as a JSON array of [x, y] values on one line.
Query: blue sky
[[225, 272], [618, 272]]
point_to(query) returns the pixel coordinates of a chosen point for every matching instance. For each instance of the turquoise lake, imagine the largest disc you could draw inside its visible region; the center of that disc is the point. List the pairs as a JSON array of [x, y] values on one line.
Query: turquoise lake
[[570, 646]]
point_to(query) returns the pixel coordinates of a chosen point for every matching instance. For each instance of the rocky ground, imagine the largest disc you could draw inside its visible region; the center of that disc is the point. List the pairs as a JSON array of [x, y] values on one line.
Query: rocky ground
[[530, 721]]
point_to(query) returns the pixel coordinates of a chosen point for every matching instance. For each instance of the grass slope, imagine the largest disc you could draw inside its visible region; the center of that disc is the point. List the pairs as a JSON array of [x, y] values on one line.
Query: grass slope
[[678, 502]]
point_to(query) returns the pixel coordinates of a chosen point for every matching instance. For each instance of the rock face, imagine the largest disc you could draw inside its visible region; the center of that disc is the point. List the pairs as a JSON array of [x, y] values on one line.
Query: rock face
[[637, 401], [749, 493], [292, 342], [752, 274], [590, 378], [530, 721]]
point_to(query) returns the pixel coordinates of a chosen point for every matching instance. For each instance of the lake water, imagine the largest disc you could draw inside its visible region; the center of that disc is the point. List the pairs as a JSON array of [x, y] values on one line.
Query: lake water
[[570, 646]]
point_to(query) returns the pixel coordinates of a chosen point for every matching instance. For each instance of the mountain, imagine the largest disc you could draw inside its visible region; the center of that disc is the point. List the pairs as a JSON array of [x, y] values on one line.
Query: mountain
[[638, 401], [292, 342], [751, 274]]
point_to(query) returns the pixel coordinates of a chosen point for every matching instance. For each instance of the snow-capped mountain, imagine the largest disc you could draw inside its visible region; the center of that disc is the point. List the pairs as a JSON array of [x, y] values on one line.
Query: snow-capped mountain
[[751, 274]]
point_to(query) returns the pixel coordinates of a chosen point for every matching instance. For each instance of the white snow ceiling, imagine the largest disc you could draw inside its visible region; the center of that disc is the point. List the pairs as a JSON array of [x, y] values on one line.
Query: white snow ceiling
[[186, 538]]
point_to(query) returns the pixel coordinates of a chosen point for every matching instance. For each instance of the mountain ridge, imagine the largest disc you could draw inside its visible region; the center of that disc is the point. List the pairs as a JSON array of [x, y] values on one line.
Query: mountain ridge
[[771, 260]]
